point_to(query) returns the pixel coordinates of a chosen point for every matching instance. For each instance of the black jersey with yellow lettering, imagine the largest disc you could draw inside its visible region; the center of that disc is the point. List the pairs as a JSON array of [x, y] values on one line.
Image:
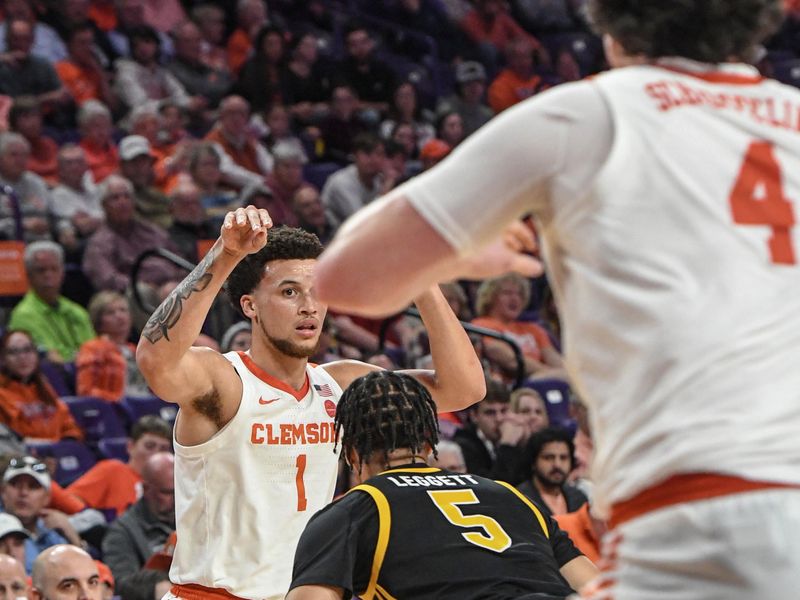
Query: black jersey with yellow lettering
[[419, 532]]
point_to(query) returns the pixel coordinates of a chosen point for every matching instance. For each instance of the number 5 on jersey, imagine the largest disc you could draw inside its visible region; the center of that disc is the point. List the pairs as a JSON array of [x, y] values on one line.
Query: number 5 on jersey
[[758, 198], [493, 538]]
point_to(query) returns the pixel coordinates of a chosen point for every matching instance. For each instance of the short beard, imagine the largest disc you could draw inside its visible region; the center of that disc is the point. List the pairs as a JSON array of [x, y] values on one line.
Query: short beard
[[290, 348], [549, 483]]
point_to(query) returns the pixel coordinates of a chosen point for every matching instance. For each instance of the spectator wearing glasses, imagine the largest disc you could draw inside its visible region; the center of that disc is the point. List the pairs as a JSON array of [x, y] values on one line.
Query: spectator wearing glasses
[[28, 403], [26, 494]]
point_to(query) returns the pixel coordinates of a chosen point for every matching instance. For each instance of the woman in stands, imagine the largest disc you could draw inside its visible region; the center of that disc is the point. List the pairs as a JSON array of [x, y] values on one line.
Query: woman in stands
[[28, 403], [530, 406], [405, 109], [500, 304], [106, 365]]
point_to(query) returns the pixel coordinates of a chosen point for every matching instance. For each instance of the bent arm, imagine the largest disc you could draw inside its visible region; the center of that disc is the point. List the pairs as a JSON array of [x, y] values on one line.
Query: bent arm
[[578, 572], [173, 370], [457, 380]]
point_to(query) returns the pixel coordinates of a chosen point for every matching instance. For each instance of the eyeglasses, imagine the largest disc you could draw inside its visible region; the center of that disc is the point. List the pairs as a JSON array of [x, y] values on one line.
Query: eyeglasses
[[20, 350], [27, 463]]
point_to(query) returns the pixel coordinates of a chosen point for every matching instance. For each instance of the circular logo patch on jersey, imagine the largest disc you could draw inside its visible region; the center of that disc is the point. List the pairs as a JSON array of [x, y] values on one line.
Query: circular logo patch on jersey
[[330, 408]]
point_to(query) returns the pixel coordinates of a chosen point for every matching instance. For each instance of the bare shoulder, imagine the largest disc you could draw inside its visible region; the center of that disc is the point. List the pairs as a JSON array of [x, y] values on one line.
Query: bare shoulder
[[214, 404], [224, 384], [345, 371]]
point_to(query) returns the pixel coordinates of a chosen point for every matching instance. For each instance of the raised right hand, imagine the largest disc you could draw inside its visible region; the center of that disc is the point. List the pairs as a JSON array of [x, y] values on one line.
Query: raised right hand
[[244, 230]]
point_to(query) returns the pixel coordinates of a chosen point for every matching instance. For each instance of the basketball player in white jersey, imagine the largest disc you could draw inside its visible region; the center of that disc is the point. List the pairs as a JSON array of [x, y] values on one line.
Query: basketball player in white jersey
[[667, 193], [254, 443]]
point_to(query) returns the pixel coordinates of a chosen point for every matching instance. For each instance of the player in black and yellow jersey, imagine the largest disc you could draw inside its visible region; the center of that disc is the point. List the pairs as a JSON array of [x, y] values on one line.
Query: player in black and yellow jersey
[[415, 532]]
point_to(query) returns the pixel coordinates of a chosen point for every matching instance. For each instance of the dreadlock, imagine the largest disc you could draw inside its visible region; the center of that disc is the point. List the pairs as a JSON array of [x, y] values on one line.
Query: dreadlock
[[384, 411]]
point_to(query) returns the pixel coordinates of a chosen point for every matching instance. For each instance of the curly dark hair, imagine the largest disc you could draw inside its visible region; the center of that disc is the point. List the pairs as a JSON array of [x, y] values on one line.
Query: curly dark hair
[[283, 243], [705, 30], [537, 442], [385, 411]]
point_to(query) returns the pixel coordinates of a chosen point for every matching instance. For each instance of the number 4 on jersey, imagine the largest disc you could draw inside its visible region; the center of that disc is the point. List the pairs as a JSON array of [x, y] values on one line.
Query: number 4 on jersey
[[758, 199]]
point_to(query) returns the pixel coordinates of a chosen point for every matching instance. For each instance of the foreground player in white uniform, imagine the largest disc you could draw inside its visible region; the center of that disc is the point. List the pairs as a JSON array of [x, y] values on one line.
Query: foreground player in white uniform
[[667, 193], [254, 438]]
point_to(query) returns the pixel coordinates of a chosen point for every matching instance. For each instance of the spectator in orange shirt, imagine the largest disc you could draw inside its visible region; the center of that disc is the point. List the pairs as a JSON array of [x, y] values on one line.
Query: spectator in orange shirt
[[81, 73], [500, 303], [490, 26], [103, 14], [28, 403], [25, 117], [94, 121], [518, 80], [111, 485], [252, 15], [106, 365]]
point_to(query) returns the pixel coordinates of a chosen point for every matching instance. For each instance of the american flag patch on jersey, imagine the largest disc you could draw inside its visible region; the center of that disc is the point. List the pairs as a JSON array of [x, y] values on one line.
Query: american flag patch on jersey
[[324, 389]]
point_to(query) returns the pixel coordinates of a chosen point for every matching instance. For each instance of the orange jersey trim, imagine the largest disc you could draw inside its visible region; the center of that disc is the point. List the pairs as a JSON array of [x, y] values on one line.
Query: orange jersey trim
[[717, 76], [689, 487], [274, 381], [193, 591]]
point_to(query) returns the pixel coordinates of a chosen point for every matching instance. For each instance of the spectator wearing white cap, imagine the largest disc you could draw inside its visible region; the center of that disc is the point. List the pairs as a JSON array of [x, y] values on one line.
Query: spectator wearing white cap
[[25, 495], [12, 538], [469, 102], [136, 164], [13, 581]]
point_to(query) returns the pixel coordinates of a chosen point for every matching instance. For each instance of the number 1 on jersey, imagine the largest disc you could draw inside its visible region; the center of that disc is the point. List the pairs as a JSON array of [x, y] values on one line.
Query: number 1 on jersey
[[757, 198], [302, 501]]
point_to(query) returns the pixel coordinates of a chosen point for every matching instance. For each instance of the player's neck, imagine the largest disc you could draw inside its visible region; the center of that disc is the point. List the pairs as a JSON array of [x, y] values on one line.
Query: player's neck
[[289, 369]]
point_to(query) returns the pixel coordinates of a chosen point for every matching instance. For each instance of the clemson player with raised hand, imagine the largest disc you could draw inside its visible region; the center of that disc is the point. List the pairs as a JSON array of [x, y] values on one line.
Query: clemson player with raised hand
[[254, 443]]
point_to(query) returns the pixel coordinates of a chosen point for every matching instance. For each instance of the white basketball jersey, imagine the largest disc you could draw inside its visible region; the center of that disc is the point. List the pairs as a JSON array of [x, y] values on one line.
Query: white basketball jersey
[[243, 498], [678, 280]]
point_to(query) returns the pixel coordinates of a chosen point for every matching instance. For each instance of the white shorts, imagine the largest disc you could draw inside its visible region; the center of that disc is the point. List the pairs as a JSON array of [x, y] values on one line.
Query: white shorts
[[744, 546]]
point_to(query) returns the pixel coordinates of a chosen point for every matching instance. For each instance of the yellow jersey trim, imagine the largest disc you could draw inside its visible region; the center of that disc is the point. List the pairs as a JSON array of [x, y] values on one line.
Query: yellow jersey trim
[[531, 505], [384, 527], [412, 470]]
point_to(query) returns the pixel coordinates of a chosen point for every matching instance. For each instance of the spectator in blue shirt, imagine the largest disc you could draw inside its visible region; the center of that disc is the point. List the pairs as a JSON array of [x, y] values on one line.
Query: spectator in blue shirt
[[26, 494]]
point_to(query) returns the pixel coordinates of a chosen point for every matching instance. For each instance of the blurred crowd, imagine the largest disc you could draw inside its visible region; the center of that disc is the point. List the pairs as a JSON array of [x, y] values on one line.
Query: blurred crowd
[[133, 126]]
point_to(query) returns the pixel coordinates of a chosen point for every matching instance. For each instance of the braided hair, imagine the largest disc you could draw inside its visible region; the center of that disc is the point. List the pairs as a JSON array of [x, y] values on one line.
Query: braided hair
[[384, 411]]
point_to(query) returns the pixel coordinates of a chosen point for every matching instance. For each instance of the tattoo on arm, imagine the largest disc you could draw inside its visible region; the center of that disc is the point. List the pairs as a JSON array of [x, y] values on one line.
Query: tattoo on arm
[[169, 312]]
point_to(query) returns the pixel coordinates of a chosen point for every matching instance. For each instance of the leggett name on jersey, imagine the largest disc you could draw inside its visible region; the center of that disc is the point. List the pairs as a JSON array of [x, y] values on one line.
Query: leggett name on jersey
[[449, 480]]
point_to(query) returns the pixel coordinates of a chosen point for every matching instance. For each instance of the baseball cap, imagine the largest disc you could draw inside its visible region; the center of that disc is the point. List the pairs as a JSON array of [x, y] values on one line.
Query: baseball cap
[[132, 146], [435, 149], [28, 466], [10, 524], [470, 70]]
